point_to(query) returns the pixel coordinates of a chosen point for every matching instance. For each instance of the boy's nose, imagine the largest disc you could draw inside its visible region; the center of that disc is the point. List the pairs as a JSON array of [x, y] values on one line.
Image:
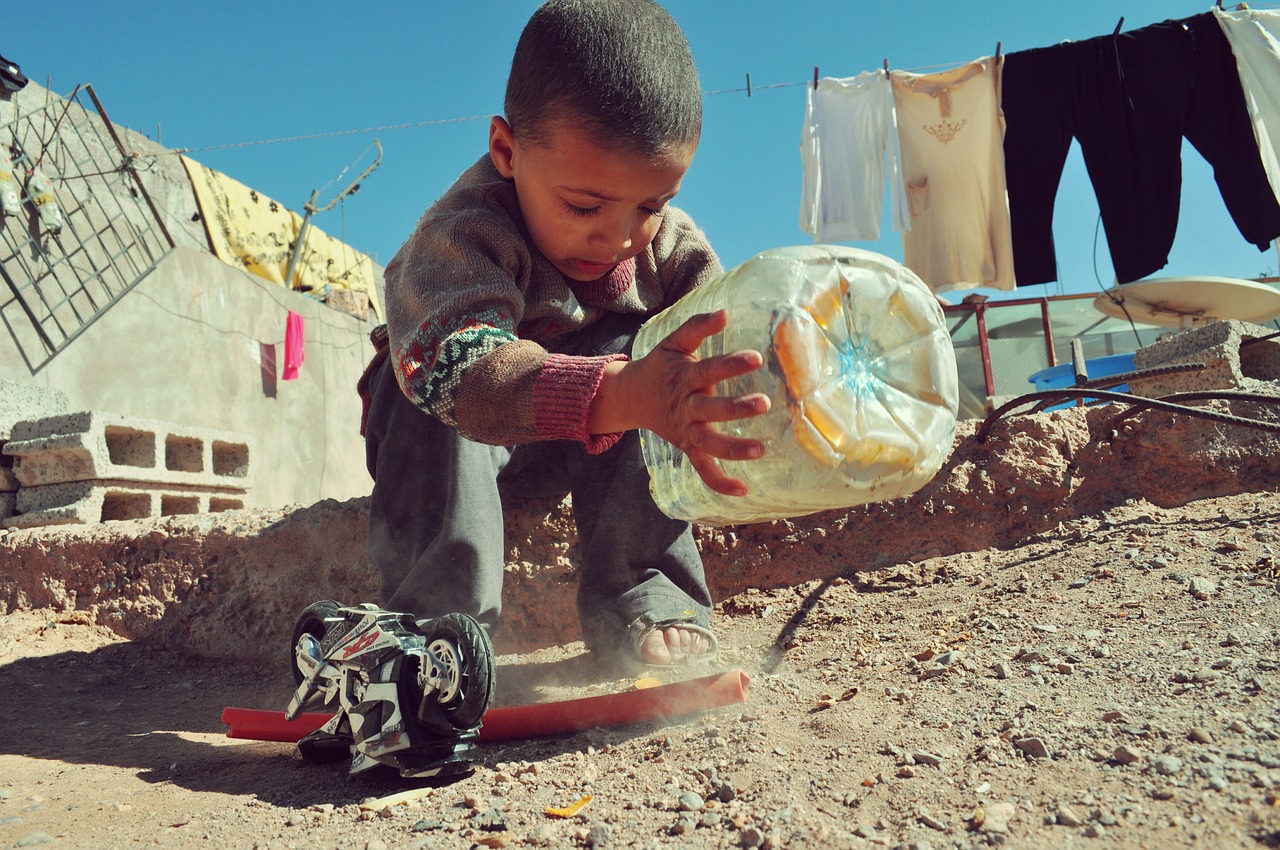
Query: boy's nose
[[616, 236]]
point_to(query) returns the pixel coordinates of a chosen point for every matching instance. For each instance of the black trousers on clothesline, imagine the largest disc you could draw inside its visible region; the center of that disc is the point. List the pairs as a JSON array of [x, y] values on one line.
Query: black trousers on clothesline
[[1129, 100]]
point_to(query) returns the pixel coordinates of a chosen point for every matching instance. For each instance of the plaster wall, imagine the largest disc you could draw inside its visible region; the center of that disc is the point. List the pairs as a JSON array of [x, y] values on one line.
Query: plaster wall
[[200, 343]]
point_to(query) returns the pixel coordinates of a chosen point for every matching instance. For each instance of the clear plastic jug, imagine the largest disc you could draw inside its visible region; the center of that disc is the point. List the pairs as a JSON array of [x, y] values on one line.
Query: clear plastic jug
[[860, 370]]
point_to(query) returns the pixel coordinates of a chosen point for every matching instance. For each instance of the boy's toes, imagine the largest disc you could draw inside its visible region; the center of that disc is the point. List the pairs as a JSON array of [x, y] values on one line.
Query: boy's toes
[[672, 645]]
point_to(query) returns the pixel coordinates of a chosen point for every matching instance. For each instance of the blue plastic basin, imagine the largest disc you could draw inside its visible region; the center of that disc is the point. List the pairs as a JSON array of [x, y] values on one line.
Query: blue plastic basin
[[1062, 376]]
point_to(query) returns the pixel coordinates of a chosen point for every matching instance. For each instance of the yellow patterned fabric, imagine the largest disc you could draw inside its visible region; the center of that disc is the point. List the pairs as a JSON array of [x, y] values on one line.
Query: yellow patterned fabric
[[253, 232]]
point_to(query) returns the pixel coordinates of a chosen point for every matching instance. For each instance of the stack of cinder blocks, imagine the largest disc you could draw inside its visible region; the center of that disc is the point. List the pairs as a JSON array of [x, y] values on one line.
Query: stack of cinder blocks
[[91, 467], [18, 403], [1237, 356]]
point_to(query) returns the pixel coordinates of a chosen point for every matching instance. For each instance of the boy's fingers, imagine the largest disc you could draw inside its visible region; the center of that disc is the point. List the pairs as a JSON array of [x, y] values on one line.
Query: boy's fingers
[[709, 443], [695, 330], [714, 477], [704, 374], [711, 408]]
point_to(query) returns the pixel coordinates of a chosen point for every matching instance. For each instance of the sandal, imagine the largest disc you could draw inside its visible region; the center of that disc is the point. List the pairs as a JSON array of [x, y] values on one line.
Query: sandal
[[646, 624]]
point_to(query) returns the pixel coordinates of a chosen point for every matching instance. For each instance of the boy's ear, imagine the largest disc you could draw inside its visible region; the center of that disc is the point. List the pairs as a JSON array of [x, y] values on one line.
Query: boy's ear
[[502, 146]]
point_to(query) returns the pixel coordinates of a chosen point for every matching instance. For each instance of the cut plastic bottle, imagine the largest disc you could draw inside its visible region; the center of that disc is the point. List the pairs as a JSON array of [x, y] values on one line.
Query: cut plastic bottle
[[860, 370]]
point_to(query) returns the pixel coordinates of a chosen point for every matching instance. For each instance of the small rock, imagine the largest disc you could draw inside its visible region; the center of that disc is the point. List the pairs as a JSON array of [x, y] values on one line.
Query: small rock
[[1095, 830], [1218, 782], [1002, 670], [750, 837], [866, 831], [930, 759], [1068, 817], [684, 825], [1167, 765], [1033, 747], [932, 822], [491, 820], [1201, 588], [35, 838], [599, 835], [1200, 735], [997, 817], [691, 802], [1127, 755], [906, 771]]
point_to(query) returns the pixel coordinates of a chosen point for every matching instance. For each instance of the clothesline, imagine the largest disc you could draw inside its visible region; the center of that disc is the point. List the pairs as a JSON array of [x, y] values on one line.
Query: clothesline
[[749, 89]]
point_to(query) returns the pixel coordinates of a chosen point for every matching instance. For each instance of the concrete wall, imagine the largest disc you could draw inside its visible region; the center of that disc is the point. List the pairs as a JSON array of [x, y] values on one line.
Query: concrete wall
[[200, 343]]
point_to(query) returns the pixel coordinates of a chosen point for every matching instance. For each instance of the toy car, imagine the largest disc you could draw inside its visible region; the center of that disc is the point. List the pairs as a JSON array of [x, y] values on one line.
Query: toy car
[[406, 694]]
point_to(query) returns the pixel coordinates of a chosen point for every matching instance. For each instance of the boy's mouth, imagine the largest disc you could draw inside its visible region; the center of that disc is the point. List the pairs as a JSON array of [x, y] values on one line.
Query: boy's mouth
[[588, 267]]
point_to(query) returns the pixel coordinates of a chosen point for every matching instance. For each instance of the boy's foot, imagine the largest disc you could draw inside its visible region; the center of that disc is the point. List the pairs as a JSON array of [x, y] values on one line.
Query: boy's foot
[[677, 643]]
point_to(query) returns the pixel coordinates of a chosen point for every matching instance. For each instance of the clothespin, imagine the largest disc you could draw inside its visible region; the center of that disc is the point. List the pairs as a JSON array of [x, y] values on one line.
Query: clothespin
[[748, 85], [815, 77], [1119, 24]]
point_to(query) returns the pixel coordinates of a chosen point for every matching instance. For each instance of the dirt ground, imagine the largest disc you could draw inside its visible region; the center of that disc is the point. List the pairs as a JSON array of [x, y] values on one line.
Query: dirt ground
[[1108, 680]]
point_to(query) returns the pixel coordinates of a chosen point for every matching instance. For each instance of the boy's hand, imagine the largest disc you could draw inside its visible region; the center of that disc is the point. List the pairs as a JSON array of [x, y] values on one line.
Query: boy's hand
[[670, 392]]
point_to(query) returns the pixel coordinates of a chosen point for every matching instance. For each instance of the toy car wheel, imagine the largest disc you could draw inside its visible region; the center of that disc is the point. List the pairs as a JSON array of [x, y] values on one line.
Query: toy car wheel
[[314, 621], [461, 667]]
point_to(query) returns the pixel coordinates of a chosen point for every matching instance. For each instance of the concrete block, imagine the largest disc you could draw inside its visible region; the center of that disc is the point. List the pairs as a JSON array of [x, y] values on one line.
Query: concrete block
[[349, 301], [8, 481], [100, 501], [19, 402], [92, 446], [1234, 360]]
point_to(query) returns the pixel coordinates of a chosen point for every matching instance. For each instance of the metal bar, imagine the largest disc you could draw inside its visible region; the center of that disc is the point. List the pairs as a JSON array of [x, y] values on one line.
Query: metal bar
[[1126, 398], [1079, 369], [128, 164], [1050, 354], [1141, 404], [988, 380]]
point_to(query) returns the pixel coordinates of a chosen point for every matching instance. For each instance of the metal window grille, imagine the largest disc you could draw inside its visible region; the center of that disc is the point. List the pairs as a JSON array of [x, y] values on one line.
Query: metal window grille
[[59, 282]]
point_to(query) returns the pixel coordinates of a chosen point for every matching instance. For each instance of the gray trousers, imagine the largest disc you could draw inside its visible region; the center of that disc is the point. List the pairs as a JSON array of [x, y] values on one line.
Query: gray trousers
[[436, 531]]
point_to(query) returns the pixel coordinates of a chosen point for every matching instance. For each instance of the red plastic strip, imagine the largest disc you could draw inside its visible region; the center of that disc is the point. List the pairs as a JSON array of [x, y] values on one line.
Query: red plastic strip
[[537, 720]]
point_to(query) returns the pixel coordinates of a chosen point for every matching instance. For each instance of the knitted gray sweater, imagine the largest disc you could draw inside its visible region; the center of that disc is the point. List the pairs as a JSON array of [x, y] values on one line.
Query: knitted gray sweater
[[472, 309]]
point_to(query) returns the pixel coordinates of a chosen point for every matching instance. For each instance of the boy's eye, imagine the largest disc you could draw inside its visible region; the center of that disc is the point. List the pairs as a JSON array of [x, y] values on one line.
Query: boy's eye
[[585, 212], [651, 212]]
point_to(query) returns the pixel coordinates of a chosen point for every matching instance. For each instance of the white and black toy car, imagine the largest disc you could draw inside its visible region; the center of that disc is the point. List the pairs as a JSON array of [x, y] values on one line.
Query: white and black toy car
[[406, 694]]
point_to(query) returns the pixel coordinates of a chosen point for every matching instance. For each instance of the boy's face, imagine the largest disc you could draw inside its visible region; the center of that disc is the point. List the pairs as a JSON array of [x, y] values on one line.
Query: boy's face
[[587, 207]]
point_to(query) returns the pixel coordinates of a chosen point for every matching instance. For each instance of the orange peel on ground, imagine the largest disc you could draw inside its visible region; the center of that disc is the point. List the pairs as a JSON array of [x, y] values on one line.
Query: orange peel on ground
[[571, 809]]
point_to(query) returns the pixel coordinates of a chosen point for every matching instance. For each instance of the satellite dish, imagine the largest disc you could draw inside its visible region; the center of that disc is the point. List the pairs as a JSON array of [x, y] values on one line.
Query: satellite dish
[[1191, 301]]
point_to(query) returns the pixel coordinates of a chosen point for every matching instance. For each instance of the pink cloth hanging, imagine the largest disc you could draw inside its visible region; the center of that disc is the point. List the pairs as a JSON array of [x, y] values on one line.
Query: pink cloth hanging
[[293, 353]]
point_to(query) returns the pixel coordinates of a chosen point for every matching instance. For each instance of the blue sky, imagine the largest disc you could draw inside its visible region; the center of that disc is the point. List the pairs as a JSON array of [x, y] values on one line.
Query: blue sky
[[201, 76]]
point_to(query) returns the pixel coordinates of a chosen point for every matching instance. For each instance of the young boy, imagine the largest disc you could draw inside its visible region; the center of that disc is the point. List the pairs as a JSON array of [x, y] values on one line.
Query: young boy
[[511, 309]]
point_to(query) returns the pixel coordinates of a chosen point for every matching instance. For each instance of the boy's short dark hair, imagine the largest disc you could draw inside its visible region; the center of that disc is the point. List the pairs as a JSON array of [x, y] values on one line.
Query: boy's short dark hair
[[620, 68]]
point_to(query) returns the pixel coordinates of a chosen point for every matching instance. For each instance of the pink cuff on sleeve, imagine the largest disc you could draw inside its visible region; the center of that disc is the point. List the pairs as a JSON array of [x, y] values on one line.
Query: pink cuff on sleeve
[[562, 399]]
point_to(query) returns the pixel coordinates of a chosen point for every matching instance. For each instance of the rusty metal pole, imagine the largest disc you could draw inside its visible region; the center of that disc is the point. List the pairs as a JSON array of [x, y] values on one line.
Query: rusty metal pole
[[128, 164]]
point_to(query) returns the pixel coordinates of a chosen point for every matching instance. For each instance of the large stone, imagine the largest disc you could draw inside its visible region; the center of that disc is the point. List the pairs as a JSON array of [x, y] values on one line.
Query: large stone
[[1235, 355]]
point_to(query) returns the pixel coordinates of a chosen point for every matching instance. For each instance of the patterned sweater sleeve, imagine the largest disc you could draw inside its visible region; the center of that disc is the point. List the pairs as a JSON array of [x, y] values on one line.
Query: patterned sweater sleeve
[[453, 304]]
